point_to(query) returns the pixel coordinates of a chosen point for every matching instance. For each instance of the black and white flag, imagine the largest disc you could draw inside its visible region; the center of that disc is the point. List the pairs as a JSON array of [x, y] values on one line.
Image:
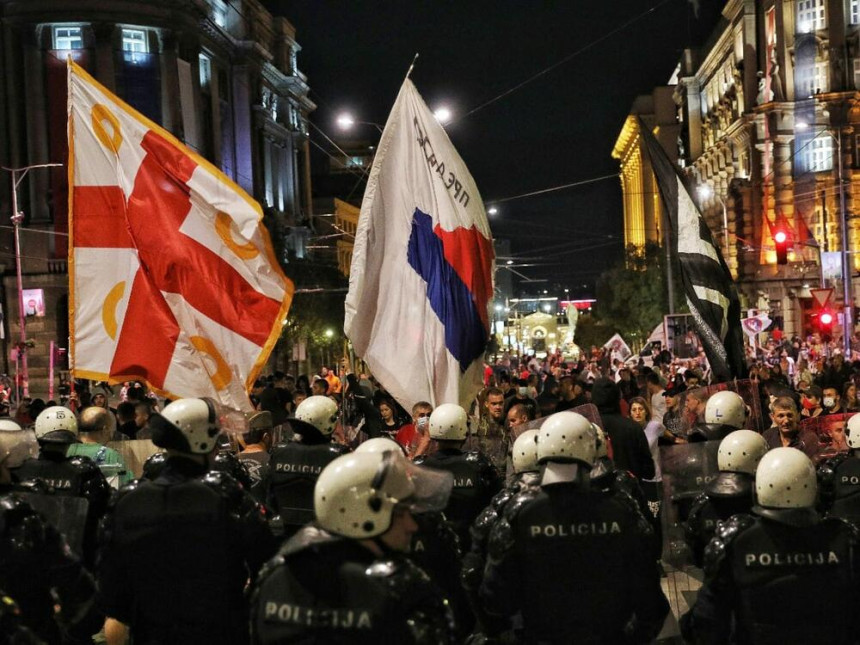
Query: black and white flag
[[708, 284]]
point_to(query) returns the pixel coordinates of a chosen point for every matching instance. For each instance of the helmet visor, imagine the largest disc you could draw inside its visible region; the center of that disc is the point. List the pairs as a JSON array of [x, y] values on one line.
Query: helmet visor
[[432, 489]]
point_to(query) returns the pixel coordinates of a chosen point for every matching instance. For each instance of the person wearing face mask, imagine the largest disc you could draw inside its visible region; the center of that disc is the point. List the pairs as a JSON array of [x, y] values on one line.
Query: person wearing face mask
[[831, 401], [522, 396], [811, 403], [176, 552]]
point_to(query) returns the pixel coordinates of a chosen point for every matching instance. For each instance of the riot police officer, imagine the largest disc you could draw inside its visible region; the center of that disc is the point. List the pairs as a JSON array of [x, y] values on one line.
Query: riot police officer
[[571, 559], [56, 428], [345, 579], [724, 412], [295, 466], [526, 478], [435, 548], [781, 574], [36, 566], [729, 493], [475, 479], [176, 552], [839, 479]]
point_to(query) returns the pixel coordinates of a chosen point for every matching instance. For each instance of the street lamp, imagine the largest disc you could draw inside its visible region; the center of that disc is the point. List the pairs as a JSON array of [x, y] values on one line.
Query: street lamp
[[847, 296], [442, 114], [706, 192], [492, 210], [345, 121], [18, 175]]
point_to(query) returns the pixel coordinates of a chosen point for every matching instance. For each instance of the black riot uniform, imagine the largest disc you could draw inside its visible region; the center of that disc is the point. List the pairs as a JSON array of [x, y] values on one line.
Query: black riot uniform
[[782, 577], [606, 477], [39, 572], [293, 471], [729, 494], [77, 476], [325, 589], [571, 560], [474, 561], [176, 554], [476, 481], [227, 462], [839, 487], [12, 632]]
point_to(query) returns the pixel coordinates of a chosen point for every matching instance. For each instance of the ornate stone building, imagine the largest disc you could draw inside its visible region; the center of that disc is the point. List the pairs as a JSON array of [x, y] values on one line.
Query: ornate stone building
[[764, 108], [221, 76]]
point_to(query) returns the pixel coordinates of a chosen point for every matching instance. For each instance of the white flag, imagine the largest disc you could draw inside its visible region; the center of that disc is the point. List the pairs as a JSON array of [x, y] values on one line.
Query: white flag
[[422, 266]]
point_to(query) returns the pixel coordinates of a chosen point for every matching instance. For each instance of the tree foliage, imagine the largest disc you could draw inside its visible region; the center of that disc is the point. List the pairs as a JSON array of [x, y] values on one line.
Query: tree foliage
[[632, 297]]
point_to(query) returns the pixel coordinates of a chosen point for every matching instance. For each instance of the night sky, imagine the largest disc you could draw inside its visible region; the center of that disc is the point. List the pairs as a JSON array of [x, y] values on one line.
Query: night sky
[[557, 129]]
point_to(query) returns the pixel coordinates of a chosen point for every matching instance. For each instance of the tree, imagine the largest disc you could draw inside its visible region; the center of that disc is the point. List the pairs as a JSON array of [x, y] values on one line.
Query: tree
[[632, 297]]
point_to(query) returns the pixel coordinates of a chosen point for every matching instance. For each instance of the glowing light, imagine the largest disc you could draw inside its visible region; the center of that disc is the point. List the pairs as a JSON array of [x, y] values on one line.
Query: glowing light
[[442, 114], [780, 237], [826, 318], [345, 121]]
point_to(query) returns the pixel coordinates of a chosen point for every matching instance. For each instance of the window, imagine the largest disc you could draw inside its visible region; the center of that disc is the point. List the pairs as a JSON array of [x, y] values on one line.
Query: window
[[855, 12], [68, 38], [134, 40], [857, 73], [818, 153], [205, 72], [219, 12], [811, 78], [810, 16]]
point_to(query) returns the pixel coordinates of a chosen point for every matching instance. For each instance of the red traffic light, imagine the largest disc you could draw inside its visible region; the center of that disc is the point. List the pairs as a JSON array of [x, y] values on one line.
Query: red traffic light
[[826, 318], [780, 237]]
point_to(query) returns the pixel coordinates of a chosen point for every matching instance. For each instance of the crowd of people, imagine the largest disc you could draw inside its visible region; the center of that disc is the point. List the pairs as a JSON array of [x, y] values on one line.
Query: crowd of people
[[537, 515]]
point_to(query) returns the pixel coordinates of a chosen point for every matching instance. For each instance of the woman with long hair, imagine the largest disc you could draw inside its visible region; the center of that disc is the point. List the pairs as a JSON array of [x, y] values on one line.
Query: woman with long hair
[[640, 412]]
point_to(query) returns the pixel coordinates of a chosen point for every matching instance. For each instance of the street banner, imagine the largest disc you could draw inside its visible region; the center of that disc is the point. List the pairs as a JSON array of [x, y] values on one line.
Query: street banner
[[422, 268], [617, 345], [708, 285], [754, 325], [173, 279]]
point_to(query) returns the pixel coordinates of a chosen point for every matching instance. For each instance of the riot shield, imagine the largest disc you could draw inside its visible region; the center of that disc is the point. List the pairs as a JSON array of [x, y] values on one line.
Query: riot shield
[[687, 469], [747, 389], [830, 430], [135, 452], [65, 513]]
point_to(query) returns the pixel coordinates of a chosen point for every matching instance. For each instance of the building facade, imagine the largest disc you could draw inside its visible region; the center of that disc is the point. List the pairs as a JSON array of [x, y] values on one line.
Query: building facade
[[764, 110], [221, 76]]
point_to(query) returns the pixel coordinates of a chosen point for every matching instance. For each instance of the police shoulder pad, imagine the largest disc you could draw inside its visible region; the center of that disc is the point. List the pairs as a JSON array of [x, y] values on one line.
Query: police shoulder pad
[[827, 470], [222, 482], [382, 569], [338, 449], [726, 533], [83, 463]]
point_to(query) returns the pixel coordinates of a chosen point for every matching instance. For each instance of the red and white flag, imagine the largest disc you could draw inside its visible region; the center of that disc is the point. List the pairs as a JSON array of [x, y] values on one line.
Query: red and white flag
[[173, 279]]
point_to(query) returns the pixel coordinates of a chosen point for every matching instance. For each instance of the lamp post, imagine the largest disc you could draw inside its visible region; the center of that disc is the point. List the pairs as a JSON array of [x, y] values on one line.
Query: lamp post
[[847, 295], [22, 388], [345, 122]]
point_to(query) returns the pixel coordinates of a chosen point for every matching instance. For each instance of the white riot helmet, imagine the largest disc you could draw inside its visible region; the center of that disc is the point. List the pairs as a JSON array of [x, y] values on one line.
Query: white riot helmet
[[726, 408], [785, 478], [355, 494], [741, 451], [59, 420], [524, 452], [186, 425], [853, 431], [602, 442], [320, 412], [16, 444], [566, 437], [448, 422], [379, 444]]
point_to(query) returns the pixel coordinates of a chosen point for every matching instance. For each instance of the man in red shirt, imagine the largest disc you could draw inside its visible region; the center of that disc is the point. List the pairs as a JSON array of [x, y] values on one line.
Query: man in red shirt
[[415, 437]]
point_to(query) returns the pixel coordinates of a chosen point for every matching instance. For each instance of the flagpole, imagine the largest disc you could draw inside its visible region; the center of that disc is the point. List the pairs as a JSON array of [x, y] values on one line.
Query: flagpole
[[411, 66]]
